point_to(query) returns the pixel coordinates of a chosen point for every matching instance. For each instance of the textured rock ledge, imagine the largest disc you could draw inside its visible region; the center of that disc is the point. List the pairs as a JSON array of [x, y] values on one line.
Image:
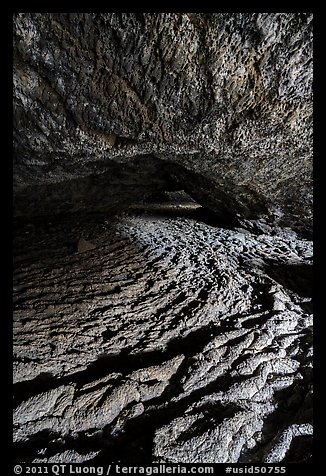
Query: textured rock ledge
[[162, 339]]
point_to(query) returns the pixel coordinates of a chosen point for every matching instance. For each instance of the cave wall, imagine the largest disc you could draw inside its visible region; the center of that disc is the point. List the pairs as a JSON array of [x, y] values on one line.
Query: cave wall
[[111, 106]]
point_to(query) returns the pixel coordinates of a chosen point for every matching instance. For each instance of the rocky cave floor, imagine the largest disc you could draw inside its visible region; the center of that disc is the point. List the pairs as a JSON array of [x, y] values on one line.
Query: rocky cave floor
[[158, 335]]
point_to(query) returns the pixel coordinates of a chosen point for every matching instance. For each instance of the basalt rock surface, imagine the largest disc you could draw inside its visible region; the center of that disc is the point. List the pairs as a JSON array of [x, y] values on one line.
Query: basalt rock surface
[[108, 107], [150, 326], [161, 338]]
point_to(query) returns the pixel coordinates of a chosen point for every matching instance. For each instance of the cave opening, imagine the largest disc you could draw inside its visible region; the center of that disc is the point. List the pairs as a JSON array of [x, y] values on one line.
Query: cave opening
[[179, 203]]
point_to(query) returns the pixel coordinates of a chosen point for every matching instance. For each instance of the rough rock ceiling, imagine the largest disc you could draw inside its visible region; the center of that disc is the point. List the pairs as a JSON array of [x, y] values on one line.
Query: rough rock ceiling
[[111, 106]]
